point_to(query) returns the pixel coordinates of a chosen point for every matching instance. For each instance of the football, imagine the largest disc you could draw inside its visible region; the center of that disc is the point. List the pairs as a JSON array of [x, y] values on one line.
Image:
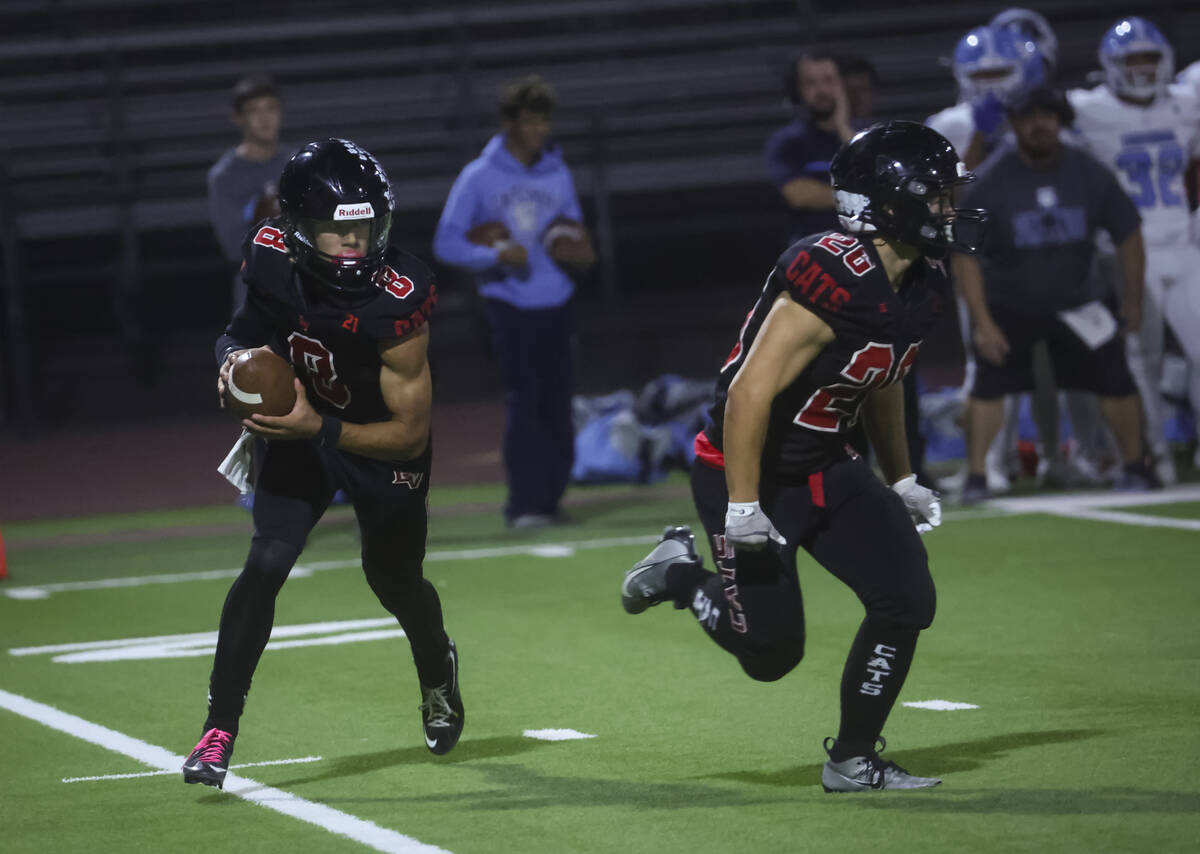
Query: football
[[566, 241], [260, 382], [489, 233], [561, 233]]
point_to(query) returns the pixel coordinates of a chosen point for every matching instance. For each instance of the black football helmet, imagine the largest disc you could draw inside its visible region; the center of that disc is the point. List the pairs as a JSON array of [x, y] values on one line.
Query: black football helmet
[[888, 181], [327, 186]]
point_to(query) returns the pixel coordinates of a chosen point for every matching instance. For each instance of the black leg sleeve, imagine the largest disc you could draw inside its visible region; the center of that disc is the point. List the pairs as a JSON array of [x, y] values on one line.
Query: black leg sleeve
[[246, 621]]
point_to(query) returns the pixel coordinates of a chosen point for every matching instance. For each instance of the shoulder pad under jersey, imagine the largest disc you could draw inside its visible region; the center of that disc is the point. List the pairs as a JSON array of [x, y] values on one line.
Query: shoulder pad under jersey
[[266, 265], [407, 297], [824, 272]]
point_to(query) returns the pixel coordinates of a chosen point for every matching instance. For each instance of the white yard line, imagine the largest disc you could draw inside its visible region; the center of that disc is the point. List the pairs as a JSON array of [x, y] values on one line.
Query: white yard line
[[1128, 518], [1093, 506], [298, 761], [1050, 503], [543, 550], [205, 643], [343, 824], [277, 632], [1082, 505]]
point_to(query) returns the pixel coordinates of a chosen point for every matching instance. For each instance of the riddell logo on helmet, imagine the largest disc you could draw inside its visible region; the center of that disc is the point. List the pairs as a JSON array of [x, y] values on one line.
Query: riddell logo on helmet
[[359, 211]]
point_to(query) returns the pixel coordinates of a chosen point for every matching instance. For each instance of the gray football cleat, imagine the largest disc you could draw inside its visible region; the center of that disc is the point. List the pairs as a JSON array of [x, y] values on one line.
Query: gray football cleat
[[646, 583], [865, 773]]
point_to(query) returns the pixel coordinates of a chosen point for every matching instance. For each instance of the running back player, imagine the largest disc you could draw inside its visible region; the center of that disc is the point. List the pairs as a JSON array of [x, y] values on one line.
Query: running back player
[[328, 292], [837, 326]]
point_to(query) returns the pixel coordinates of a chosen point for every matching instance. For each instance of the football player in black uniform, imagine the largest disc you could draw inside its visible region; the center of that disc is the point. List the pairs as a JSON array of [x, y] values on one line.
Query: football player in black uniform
[[837, 327], [327, 292]]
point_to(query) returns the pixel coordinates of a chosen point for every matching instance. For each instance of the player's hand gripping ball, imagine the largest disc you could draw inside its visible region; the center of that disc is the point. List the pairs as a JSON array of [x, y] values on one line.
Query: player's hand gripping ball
[[260, 383]]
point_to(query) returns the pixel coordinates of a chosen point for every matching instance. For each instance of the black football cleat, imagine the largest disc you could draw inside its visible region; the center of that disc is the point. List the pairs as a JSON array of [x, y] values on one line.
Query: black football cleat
[[209, 760], [442, 713], [646, 584]]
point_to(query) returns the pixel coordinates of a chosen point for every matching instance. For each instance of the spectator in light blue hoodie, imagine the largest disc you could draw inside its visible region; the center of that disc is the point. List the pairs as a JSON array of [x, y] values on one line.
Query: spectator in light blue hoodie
[[513, 219]]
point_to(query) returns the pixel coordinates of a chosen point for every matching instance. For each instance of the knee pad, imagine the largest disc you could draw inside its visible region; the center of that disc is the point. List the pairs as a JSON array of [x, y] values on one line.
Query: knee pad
[[269, 562], [773, 664], [912, 608]]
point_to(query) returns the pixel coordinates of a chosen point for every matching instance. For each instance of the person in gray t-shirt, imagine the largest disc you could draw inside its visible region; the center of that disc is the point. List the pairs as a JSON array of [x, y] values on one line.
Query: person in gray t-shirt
[[241, 184], [1030, 282]]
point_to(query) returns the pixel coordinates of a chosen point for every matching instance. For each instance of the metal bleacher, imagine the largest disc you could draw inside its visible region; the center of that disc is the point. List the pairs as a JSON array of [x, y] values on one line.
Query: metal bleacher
[[113, 111]]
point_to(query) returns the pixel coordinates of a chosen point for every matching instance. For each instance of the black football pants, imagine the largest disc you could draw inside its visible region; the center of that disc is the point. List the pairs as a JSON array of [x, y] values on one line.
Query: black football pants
[[294, 489], [859, 530]]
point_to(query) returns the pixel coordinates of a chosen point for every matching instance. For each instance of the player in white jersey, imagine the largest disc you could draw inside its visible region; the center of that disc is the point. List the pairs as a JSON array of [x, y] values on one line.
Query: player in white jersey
[[1189, 81], [991, 65], [1146, 130]]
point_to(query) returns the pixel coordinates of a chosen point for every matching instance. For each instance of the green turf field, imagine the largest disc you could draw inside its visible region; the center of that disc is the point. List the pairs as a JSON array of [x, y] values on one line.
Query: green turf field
[[1077, 638]]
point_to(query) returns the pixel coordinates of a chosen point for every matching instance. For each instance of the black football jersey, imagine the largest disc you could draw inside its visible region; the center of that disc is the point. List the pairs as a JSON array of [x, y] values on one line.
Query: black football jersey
[[878, 333], [333, 347]]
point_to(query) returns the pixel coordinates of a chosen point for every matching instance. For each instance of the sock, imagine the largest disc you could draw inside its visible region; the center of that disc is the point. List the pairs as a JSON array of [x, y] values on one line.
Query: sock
[[976, 481], [682, 579], [875, 671]]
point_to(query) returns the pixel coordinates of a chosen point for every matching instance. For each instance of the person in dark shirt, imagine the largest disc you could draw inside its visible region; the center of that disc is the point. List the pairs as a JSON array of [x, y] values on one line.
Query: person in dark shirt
[[1031, 282], [859, 79], [798, 154], [243, 182], [837, 326], [327, 292]]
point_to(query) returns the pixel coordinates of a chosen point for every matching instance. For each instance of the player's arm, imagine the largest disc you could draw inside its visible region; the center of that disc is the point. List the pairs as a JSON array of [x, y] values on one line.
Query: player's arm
[[408, 394], [407, 391], [883, 411], [799, 188], [883, 414], [1131, 255], [579, 252], [248, 330], [976, 150], [225, 214], [968, 281], [790, 338], [450, 243], [807, 193]]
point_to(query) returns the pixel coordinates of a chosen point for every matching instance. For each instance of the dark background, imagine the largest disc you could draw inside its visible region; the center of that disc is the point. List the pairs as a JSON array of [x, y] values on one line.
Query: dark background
[[113, 286]]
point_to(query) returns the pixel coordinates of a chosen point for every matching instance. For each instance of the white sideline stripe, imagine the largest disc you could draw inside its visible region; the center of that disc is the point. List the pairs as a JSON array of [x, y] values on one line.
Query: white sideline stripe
[[1130, 518], [337, 822], [1092, 506], [1049, 503], [940, 705], [557, 734], [138, 652], [176, 770], [1070, 505], [276, 632], [545, 550]]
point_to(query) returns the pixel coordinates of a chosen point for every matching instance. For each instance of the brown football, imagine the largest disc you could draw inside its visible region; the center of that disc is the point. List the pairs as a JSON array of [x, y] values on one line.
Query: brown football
[[260, 382], [566, 241], [489, 233]]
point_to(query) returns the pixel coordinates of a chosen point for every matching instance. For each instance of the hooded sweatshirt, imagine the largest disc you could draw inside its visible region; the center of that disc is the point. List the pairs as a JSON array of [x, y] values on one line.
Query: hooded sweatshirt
[[496, 187]]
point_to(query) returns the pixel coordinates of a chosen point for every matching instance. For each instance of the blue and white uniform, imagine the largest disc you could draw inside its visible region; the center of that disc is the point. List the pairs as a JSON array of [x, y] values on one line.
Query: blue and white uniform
[[1148, 146]]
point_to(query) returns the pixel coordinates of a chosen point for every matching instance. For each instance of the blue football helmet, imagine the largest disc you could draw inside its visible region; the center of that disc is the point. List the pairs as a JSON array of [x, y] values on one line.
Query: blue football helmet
[[1033, 28], [1130, 37], [995, 61]]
